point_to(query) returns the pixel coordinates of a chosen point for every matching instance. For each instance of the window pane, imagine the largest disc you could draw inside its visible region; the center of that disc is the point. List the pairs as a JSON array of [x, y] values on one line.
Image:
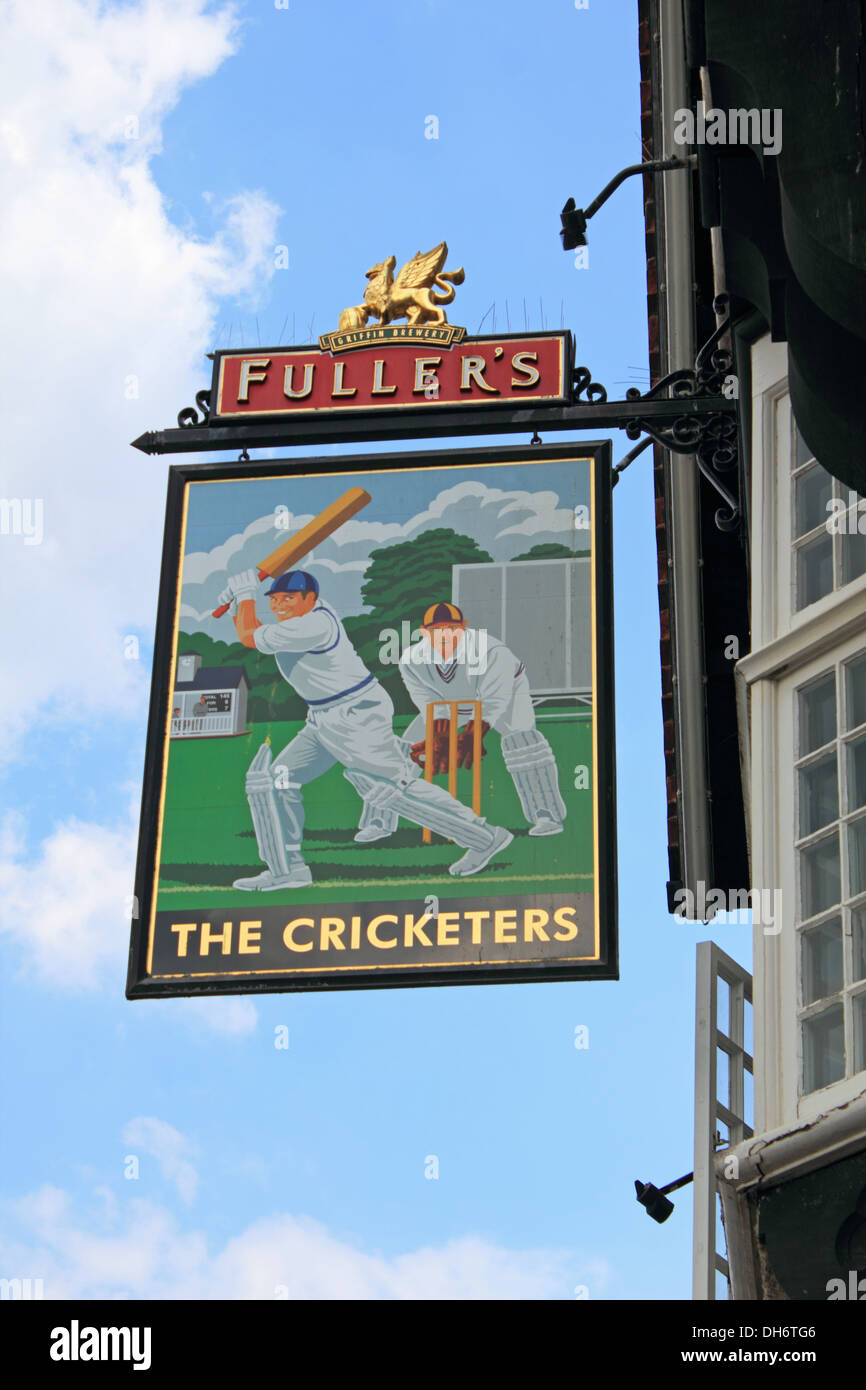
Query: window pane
[[812, 492], [723, 1005], [857, 857], [858, 1005], [853, 557], [857, 774], [818, 713], [814, 570], [819, 876], [819, 796], [723, 1077], [802, 452], [823, 1048], [855, 673], [858, 933], [822, 961]]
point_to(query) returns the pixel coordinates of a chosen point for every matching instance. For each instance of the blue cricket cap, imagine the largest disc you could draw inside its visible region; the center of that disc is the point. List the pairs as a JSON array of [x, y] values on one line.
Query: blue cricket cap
[[294, 581]]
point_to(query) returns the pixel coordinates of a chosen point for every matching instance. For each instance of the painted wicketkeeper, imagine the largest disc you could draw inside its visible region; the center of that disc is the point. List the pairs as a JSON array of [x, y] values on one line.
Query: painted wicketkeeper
[[446, 666]]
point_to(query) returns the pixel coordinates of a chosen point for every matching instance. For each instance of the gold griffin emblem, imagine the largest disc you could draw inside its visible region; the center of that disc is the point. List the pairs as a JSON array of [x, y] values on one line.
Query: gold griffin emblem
[[410, 295]]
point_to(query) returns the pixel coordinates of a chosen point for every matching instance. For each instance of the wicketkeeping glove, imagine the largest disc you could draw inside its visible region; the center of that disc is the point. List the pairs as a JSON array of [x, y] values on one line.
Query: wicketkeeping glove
[[466, 744], [440, 747]]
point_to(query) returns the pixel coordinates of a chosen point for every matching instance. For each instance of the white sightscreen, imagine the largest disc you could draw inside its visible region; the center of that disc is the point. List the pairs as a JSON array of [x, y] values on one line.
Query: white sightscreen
[[541, 610]]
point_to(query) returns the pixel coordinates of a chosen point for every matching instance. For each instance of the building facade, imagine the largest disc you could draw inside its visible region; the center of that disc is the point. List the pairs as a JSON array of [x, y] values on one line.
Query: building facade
[[762, 591]]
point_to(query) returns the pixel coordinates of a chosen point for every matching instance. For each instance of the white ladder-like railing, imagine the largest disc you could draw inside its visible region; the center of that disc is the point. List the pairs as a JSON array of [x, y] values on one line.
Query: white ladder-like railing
[[713, 966]]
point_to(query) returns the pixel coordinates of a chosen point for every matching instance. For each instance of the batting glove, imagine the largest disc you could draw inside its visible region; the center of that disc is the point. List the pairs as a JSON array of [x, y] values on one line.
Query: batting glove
[[243, 586]]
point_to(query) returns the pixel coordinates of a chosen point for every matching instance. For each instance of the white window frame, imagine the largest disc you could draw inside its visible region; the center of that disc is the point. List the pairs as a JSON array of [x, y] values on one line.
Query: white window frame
[[789, 648], [808, 1105]]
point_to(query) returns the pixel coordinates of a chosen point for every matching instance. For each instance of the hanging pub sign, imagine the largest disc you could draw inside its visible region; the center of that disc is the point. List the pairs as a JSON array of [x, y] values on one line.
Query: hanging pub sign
[[380, 749]]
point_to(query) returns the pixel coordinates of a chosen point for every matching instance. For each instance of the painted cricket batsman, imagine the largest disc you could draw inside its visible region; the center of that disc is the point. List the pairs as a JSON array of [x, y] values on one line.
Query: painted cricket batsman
[[447, 665], [349, 722]]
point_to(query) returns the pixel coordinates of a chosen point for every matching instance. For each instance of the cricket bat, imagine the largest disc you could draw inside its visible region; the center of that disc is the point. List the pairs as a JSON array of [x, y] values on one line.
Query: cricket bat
[[287, 555]]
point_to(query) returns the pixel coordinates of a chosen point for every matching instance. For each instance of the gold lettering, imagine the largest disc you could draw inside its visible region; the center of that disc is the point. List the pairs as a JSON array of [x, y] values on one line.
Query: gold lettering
[[475, 919], [471, 369], [379, 388], [505, 919], [338, 388], [414, 931], [520, 363], [209, 938], [288, 381], [183, 929], [372, 932], [332, 933], [249, 938], [425, 374], [248, 374], [448, 922], [570, 927], [535, 919], [289, 934]]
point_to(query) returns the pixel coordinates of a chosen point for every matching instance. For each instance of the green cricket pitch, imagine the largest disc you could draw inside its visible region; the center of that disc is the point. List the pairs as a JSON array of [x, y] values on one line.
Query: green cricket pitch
[[207, 838]]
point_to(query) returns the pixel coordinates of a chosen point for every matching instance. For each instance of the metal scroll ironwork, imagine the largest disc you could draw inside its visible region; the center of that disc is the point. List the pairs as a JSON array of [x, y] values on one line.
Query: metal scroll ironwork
[[711, 437], [189, 416], [583, 382]]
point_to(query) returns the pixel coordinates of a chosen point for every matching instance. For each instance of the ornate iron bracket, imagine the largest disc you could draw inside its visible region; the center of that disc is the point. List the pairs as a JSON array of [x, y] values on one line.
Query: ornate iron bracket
[[711, 436], [583, 382], [189, 416]]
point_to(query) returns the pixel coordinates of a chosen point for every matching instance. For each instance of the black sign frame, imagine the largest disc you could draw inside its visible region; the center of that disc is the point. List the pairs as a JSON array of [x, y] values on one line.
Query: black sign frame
[[140, 984]]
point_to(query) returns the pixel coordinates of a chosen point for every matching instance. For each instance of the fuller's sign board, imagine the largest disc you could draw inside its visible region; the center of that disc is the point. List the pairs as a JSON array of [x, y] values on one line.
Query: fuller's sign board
[[380, 749], [397, 368]]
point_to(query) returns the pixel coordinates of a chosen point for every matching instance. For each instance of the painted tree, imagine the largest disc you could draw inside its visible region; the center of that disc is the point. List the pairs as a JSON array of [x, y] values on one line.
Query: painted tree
[[404, 579], [550, 550]]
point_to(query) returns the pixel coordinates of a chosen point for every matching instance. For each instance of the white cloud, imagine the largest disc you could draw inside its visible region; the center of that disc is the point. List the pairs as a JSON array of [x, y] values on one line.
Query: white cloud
[[67, 909], [229, 1016], [108, 308], [504, 523], [171, 1149], [201, 565], [139, 1250]]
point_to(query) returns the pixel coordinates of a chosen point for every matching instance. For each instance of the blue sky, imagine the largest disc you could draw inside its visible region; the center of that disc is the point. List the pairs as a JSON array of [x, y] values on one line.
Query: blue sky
[[154, 157]]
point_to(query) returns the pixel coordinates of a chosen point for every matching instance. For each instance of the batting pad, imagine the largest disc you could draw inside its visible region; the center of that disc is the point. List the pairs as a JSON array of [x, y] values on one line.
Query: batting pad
[[265, 816], [530, 761], [426, 804], [381, 815]]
